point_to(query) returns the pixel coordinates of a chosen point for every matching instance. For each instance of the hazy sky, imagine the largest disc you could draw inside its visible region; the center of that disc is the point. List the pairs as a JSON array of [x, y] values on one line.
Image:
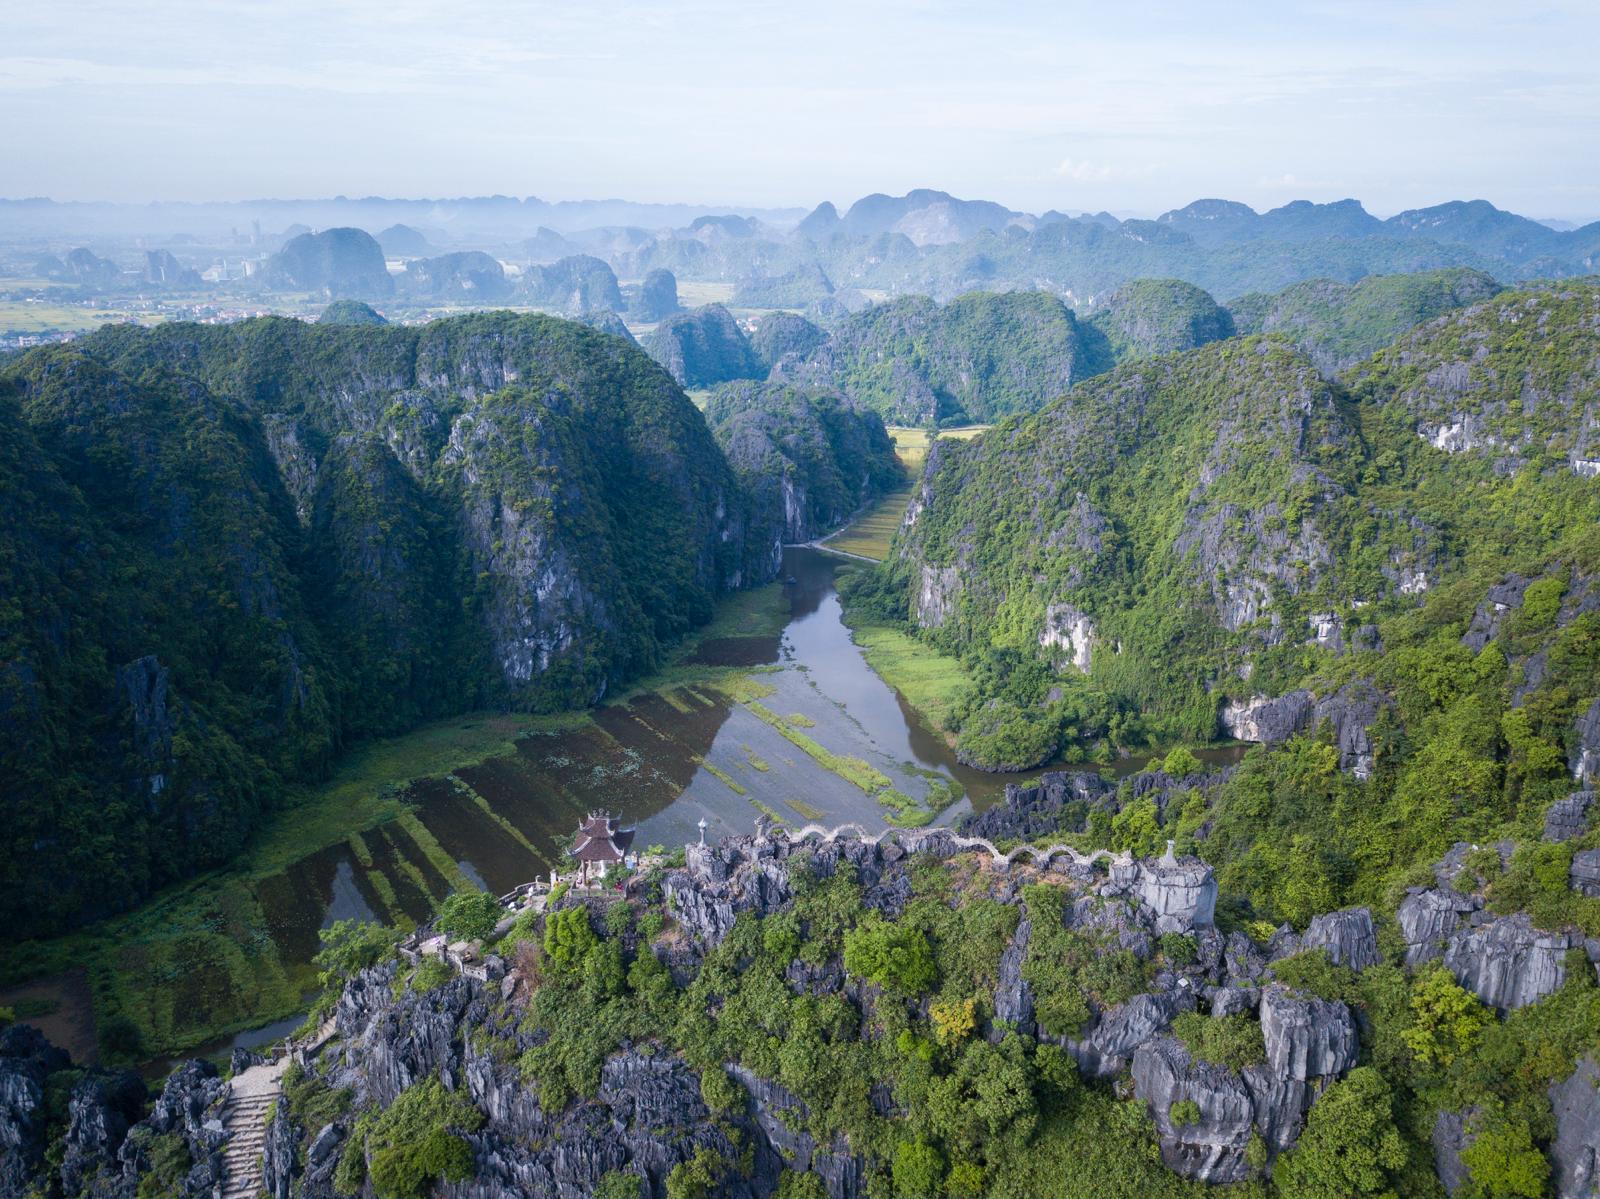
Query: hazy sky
[[1129, 105]]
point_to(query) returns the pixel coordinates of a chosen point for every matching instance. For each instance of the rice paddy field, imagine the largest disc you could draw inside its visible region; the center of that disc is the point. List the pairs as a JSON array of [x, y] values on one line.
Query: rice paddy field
[[869, 535]]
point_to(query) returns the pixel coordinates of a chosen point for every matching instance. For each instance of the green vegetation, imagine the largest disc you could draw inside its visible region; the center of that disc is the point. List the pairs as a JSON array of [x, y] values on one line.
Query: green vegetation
[[1154, 316], [978, 358], [343, 574], [406, 1149], [807, 460], [1350, 1146], [1232, 1041], [1338, 324], [471, 915]]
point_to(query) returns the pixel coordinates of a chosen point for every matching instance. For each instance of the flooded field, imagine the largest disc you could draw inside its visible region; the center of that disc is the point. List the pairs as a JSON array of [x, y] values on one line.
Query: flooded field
[[662, 761], [797, 727]]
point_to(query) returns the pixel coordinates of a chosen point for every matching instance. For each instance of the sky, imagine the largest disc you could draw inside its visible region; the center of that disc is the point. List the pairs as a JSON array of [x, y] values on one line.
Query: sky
[[1133, 106]]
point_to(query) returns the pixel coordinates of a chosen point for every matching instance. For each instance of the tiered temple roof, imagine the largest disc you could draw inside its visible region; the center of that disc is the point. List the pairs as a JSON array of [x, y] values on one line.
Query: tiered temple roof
[[602, 839]]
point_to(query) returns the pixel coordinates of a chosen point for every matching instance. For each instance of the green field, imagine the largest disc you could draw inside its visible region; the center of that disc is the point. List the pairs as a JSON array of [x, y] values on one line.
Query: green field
[[27, 316], [870, 534]]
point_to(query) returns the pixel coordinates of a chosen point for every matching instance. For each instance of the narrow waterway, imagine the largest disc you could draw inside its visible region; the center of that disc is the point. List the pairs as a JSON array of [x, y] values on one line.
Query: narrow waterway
[[662, 761]]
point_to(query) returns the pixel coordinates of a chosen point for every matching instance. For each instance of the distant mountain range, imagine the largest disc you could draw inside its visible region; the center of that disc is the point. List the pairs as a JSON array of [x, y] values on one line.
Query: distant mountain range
[[828, 264]]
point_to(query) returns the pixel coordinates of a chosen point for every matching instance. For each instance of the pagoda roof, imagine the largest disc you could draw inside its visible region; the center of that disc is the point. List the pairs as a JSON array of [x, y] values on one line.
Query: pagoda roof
[[600, 839]]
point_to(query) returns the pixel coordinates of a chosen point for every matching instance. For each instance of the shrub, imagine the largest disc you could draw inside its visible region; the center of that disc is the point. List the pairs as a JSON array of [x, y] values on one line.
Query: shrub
[[414, 1142], [350, 946], [568, 937], [469, 915], [431, 974], [1447, 1020], [1506, 1163], [800, 1186], [1184, 1113], [954, 1021], [1350, 1146], [918, 1170], [698, 1177], [1232, 1041], [893, 956], [411, 1169], [618, 1184], [1180, 763], [721, 1093], [619, 918], [1179, 948]]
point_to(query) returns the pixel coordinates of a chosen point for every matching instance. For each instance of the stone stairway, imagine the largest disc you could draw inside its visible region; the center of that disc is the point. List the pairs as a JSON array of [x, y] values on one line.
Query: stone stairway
[[244, 1118]]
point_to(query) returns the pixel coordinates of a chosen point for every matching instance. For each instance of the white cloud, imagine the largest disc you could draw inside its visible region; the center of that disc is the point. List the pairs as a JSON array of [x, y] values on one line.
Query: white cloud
[[1082, 171]]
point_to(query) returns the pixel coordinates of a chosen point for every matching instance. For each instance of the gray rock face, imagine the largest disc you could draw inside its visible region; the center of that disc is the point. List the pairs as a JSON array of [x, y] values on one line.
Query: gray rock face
[[26, 1061], [1118, 1034], [1568, 818], [1502, 598], [1507, 962], [1268, 721], [1348, 937], [98, 1117], [1233, 1105], [1428, 918], [1181, 892], [1584, 757], [1585, 872], [1450, 1137], [280, 1163], [1055, 802], [1350, 713], [1013, 998], [1211, 1148], [1306, 1038], [1575, 1152]]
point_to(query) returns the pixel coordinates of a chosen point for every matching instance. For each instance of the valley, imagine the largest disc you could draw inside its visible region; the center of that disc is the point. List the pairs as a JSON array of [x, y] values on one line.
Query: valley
[[488, 801]]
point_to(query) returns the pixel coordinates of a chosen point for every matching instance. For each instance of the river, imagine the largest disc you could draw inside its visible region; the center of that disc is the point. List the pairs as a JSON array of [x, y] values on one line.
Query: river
[[661, 761]]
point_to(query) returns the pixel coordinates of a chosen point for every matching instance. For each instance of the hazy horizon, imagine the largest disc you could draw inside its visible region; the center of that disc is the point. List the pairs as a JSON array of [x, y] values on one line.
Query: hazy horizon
[[1073, 107]]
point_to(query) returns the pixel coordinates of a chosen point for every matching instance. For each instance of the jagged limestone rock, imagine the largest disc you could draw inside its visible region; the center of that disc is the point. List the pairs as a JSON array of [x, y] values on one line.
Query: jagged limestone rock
[[1450, 1136], [1584, 758], [1306, 1038], [1268, 721], [1348, 937], [1570, 817], [1350, 714], [1428, 918], [1507, 962], [1212, 1148], [1182, 892], [1585, 872], [1575, 1152]]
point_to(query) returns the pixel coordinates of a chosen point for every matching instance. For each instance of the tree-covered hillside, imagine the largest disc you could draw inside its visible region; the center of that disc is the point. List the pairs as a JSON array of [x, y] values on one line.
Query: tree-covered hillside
[[978, 358], [703, 348], [1339, 324], [1157, 316], [1207, 525], [808, 460], [252, 544]]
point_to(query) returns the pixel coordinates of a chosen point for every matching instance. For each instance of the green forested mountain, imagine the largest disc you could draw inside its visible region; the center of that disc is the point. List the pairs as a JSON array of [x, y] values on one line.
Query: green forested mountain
[[978, 358], [808, 460], [1206, 525], [1157, 316], [1338, 324], [703, 348], [251, 544]]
